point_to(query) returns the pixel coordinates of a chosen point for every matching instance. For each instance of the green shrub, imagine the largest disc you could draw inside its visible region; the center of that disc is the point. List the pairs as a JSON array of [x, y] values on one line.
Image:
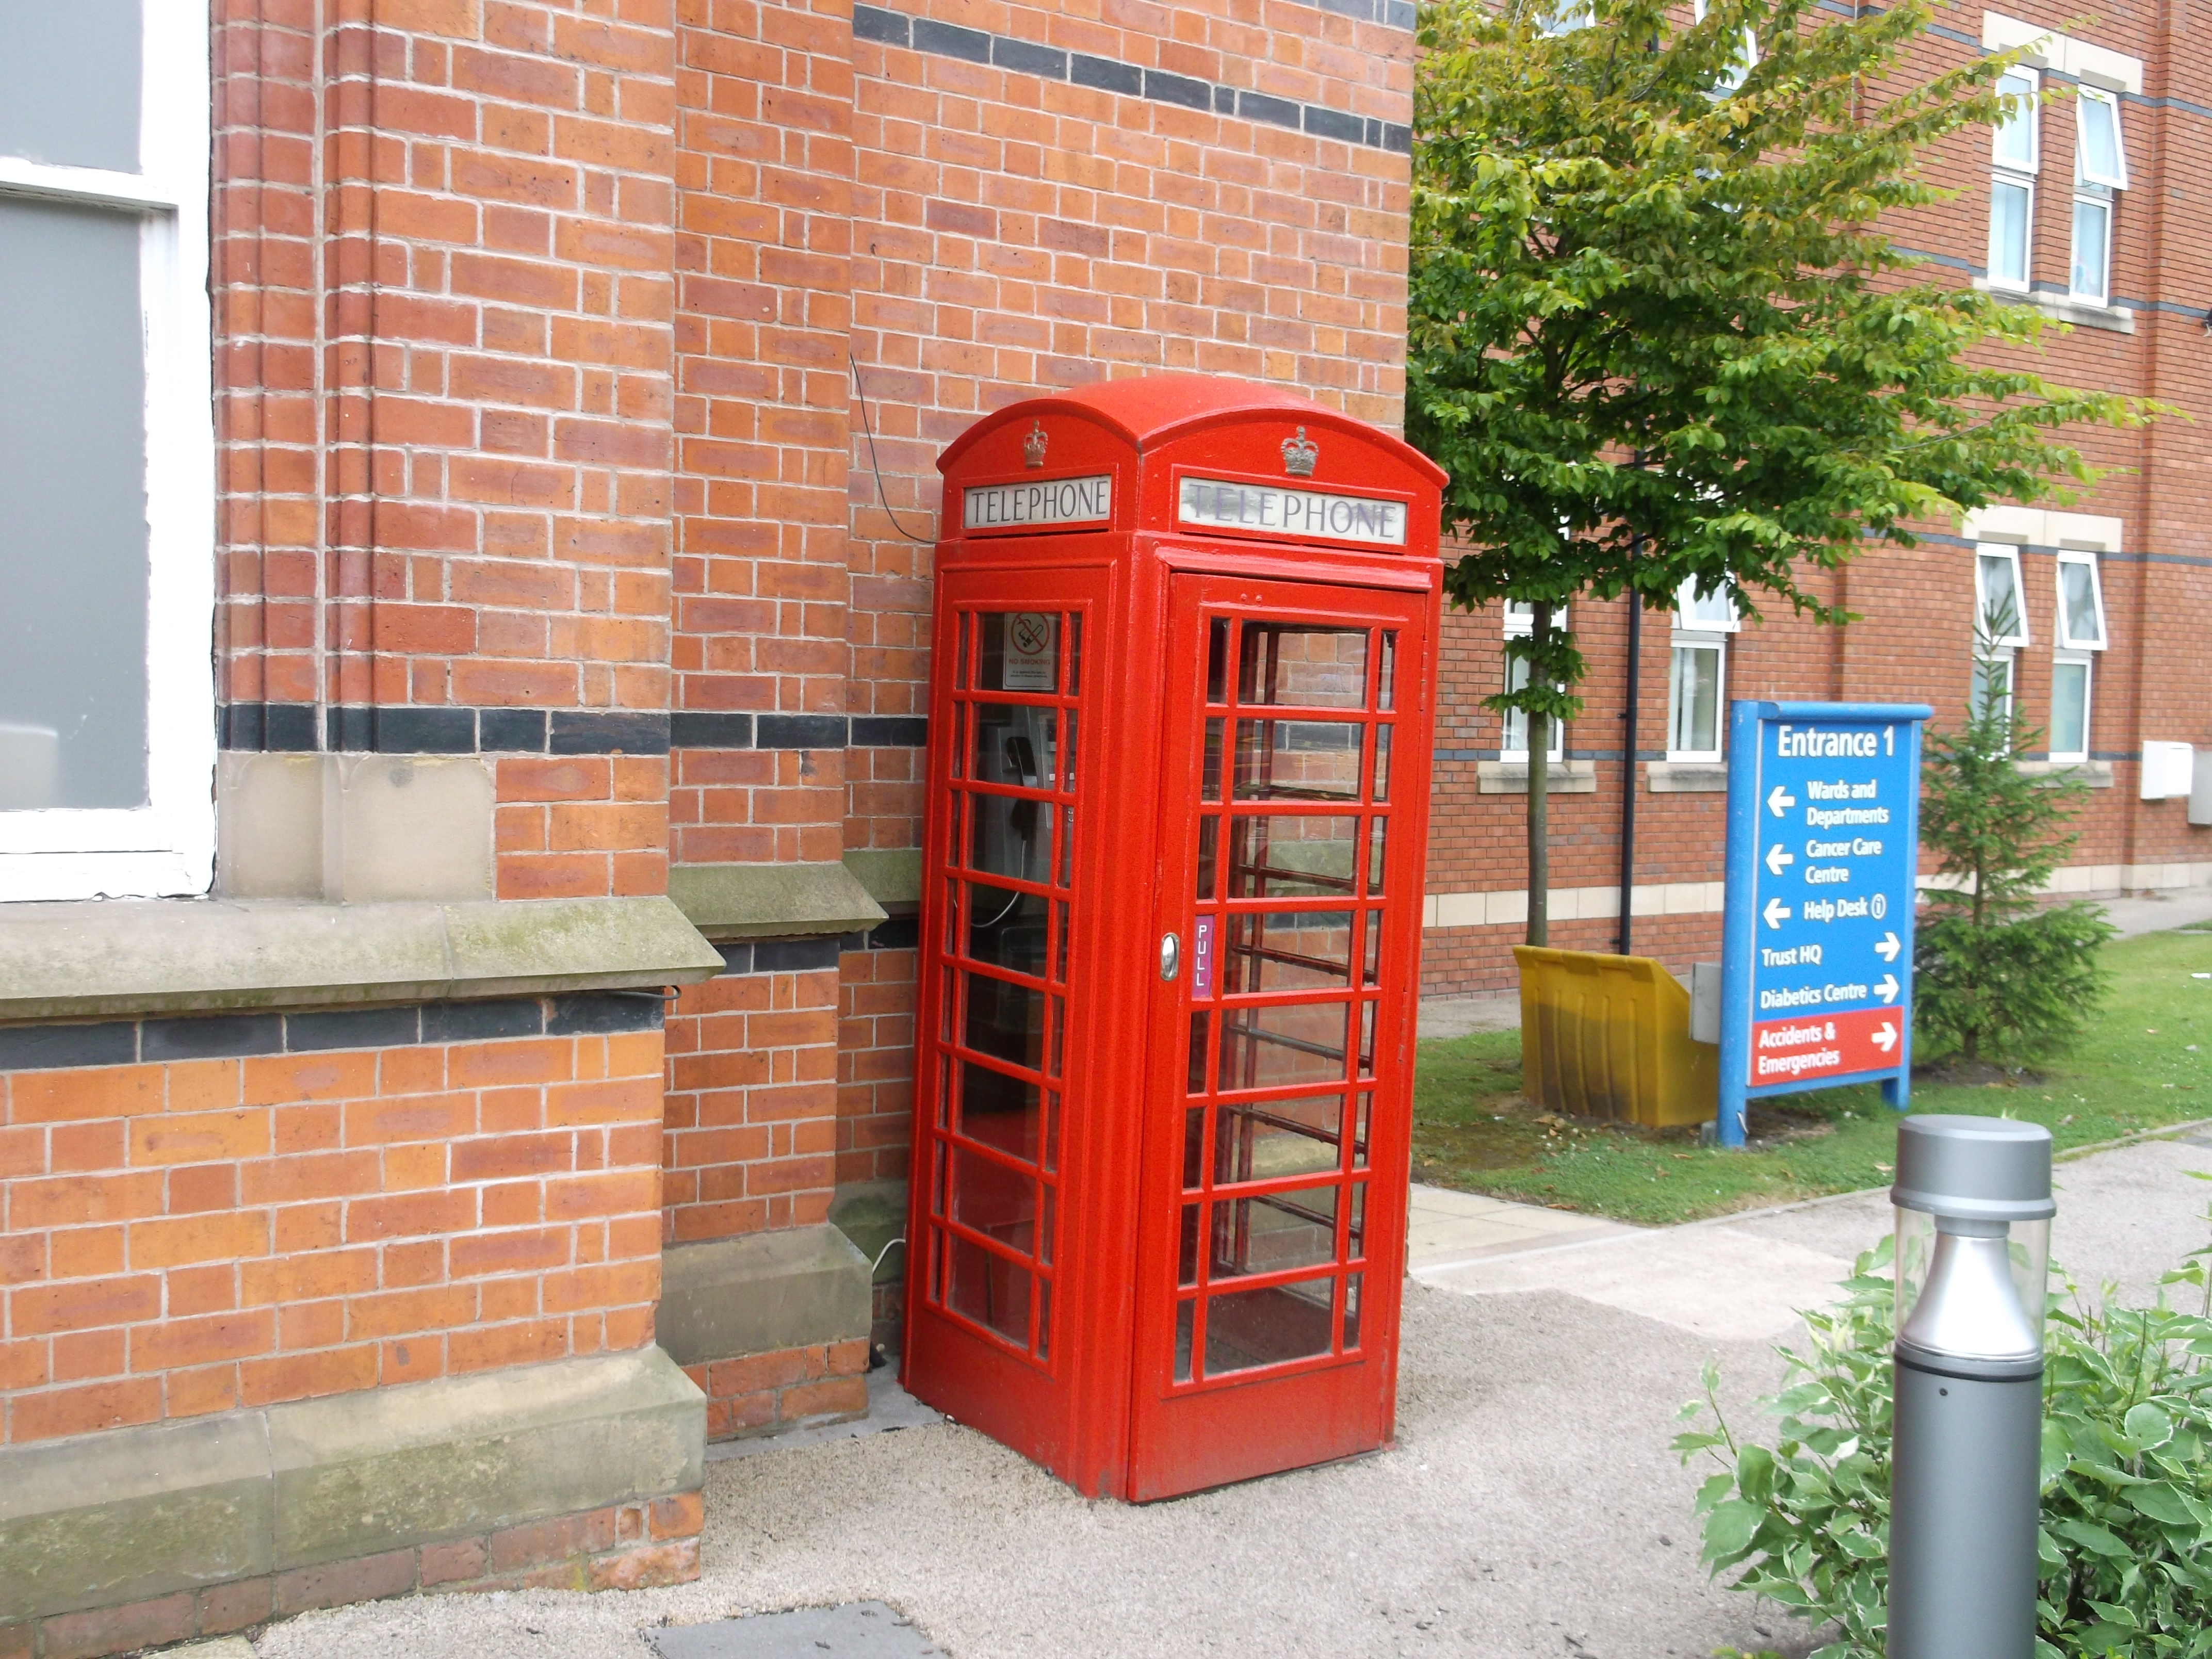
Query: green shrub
[[2126, 1540], [1995, 972]]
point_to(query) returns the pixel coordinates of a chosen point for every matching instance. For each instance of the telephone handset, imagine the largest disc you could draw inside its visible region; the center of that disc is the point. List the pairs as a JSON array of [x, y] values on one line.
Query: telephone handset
[[1015, 836]]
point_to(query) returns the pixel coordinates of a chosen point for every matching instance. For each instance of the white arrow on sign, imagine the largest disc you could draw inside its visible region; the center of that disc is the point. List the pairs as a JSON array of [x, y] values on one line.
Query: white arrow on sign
[[1884, 1036], [1777, 913], [1778, 860], [1778, 803], [1888, 948], [1885, 988]]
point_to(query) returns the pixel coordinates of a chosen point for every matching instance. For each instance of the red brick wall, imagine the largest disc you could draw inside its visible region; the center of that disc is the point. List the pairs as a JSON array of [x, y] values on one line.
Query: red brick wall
[[875, 1063], [750, 1114], [188, 1237], [1014, 233], [764, 190], [444, 270]]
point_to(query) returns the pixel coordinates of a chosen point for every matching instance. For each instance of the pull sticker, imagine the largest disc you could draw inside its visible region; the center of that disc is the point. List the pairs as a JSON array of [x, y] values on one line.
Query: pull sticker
[[1201, 957]]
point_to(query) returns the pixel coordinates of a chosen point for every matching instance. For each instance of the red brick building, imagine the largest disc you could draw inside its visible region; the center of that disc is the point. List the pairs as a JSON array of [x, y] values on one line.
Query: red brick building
[[2121, 683], [534, 402]]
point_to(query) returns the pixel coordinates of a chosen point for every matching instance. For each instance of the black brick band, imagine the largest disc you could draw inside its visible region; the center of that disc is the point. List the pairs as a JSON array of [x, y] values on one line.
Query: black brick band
[[48, 1048], [924, 34], [290, 728]]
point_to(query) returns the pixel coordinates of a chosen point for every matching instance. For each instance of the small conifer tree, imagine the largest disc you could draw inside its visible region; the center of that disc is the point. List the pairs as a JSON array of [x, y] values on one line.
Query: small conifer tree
[[1997, 974]]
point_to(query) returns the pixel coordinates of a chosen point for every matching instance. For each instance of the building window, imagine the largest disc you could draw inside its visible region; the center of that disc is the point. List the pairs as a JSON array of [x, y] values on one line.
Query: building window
[[2001, 616], [2069, 706], [2016, 155], [1565, 16], [1738, 71], [2000, 629], [2100, 171], [2081, 602], [1513, 743], [1696, 675], [2080, 631], [107, 452], [2100, 157]]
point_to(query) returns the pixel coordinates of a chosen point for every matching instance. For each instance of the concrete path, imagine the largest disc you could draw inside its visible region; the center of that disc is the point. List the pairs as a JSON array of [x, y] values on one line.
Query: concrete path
[[1530, 1508]]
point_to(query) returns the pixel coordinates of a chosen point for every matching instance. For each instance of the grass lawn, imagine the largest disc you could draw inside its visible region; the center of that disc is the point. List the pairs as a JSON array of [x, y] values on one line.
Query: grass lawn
[[2147, 1063]]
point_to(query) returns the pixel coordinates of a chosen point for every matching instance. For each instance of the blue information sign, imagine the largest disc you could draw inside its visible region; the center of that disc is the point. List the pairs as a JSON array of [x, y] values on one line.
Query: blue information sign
[[1823, 844]]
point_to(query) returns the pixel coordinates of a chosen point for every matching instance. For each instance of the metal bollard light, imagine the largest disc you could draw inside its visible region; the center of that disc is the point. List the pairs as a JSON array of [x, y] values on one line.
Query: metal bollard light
[[1973, 1244]]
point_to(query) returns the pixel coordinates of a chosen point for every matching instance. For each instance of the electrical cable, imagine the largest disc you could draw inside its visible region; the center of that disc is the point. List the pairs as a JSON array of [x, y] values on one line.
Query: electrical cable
[[885, 500]]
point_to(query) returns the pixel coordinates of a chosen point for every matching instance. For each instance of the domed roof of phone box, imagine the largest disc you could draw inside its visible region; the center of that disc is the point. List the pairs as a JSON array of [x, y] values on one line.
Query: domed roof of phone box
[[1146, 411]]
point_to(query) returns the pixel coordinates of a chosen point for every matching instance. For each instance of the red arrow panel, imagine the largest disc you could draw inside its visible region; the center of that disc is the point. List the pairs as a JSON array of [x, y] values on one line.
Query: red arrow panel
[[1810, 1047]]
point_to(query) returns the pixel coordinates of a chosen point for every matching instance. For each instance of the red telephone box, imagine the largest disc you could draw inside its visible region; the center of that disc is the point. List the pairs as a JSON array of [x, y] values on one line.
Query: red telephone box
[[1186, 631]]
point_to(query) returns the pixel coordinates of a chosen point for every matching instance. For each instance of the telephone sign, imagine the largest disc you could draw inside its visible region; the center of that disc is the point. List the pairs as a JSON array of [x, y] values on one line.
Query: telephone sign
[[1823, 845]]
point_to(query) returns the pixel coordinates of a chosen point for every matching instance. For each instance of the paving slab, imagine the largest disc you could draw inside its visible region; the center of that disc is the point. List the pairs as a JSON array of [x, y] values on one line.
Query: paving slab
[[856, 1630], [1721, 1283], [1447, 1226]]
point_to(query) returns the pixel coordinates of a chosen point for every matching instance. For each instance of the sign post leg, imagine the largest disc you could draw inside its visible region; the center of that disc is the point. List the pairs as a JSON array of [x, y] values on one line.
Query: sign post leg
[[1729, 1130], [1897, 1092]]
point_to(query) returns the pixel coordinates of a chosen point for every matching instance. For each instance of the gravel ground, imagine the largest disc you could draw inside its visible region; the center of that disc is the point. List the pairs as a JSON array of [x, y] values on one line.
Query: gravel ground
[[1530, 1507]]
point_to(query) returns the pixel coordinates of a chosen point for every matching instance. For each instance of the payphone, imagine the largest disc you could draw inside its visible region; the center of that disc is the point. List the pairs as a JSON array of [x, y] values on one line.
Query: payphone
[[1178, 770]]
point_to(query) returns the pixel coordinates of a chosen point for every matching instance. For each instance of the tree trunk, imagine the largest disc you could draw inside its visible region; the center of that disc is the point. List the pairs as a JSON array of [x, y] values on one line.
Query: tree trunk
[[1540, 844]]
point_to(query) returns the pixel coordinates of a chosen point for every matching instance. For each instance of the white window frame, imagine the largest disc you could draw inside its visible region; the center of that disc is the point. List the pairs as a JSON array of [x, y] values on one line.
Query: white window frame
[[2008, 173], [2088, 666], [1704, 633], [1998, 277], [1715, 645], [1520, 620], [1566, 17], [1685, 598], [2010, 554], [2007, 660], [2096, 194], [1516, 670], [2086, 98], [2030, 117], [2089, 199], [167, 848], [2063, 628], [1741, 71]]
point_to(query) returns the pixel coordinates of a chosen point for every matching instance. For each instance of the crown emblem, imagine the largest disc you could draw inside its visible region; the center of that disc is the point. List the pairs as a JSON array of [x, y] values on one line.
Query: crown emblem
[[1033, 445], [1299, 454]]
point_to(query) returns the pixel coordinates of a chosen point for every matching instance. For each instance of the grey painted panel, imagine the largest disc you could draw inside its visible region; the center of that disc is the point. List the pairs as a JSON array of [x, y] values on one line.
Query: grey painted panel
[[73, 560], [855, 1629], [70, 81]]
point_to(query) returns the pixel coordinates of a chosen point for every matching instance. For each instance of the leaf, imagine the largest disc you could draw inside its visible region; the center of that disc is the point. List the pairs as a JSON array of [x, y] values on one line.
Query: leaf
[[1754, 1473], [2056, 1453], [2148, 1427], [2162, 1501], [2092, 1537], [1730, 1528]]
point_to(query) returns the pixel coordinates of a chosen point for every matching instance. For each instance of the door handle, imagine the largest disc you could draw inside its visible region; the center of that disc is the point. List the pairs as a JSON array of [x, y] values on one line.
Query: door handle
[[1171, 956]]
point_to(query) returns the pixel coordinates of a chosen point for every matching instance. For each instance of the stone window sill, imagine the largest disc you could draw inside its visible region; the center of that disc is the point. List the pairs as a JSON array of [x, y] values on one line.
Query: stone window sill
[[1567, 777], [2097, 775], [1685, 777], [2117, 319], [191, 956]]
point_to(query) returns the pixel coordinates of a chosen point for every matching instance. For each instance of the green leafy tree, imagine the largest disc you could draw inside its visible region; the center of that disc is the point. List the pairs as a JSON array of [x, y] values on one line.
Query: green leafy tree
[[1655, 334], [1995, 972]]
